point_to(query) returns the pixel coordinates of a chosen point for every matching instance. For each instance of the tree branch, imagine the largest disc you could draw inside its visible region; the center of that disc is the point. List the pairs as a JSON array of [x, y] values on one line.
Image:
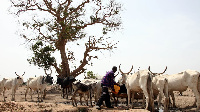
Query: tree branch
[[57, 69], [92, 45]]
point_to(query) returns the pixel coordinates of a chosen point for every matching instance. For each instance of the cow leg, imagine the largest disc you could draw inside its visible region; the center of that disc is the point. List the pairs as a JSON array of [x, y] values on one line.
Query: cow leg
[[67, 92], [95, 97], [38, 95], [98, 94], [128, 93], [81, 96], [197, 97], [159, 101], [44, 95], [147, 98], [13, 94], [12, 99], [132, 99], [143, 101], [86, 99], [173, 98], [74, 99], [113, 95], [4, 94], [90, 98], [170, 102], [117, 101], [63, 91], [26, 93], [31, 94], [166, 103], [161, 95], [41, 95], [126, 101]]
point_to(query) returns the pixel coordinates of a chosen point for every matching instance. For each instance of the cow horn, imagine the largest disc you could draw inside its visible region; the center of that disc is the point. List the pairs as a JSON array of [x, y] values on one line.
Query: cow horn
[[120, 69], [23, 74], [158, 73], [16, 74], [123, 72], [117, 74], [163, 71], [151, 71], [130, 70]]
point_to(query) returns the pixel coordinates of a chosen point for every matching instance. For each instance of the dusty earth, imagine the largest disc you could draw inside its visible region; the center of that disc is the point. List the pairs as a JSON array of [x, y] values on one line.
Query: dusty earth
[[55, 103]]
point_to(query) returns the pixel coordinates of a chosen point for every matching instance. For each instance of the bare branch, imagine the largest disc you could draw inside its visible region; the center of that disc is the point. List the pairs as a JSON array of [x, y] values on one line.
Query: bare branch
[[90, 46]]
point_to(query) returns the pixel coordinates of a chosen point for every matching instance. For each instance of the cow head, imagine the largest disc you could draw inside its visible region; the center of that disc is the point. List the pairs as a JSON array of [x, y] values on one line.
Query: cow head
[[20, 78], [59, 80], [154, 74], [124, 75], [48, 79]]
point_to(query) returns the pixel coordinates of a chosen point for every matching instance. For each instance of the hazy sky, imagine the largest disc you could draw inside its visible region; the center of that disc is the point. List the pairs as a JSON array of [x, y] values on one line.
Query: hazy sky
[[155, 33]]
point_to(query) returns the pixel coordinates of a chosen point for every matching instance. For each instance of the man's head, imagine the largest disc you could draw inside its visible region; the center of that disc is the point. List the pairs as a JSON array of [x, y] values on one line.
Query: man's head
[[114, 69]]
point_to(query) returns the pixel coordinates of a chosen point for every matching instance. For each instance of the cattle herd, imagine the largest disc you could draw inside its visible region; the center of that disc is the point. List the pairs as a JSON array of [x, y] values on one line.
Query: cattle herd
[[144, 84]]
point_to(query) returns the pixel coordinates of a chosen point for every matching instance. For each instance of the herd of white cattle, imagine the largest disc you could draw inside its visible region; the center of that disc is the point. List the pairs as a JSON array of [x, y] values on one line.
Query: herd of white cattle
[[34, 83], [143, 81]]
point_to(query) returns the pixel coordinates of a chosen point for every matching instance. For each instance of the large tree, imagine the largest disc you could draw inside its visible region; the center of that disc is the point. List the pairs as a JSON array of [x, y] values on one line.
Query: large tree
[[55, 23]]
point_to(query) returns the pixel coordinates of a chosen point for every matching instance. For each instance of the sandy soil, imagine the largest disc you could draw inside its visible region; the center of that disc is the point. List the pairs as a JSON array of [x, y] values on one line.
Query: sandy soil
[[55, 103]]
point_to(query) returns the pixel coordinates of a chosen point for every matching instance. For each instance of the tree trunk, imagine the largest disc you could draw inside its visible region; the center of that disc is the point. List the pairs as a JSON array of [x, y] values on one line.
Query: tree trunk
[[64, 64]]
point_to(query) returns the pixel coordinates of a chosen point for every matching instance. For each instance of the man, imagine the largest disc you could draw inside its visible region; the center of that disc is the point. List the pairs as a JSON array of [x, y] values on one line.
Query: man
[[107, 82]]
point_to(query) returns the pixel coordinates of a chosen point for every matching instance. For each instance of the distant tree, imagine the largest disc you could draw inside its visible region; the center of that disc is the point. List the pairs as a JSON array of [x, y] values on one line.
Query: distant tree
[[65, 22], [91, 75]]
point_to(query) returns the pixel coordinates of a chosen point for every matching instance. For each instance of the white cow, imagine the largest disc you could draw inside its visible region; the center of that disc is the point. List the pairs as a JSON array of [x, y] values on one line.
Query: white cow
[[2, 82], [97, 90], [182, 81], [13, 84], [160, 88], [140, 81], [38, 84]]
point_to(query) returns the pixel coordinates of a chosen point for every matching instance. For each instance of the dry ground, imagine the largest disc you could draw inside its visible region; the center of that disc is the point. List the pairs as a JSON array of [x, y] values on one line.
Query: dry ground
[[55, 103]]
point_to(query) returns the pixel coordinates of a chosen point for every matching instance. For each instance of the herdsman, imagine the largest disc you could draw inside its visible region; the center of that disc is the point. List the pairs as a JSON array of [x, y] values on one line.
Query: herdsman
[[107, 82]]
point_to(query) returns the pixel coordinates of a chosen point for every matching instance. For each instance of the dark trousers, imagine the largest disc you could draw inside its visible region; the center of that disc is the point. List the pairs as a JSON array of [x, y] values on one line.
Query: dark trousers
[[104, 97]]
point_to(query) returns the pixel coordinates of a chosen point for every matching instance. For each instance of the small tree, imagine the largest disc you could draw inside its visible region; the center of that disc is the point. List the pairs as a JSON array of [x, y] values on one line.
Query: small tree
[[90, 74], [65, 22]]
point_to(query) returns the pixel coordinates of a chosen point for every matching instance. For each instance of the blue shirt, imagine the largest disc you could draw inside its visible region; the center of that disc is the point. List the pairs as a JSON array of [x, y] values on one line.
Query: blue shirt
[[108, 80]]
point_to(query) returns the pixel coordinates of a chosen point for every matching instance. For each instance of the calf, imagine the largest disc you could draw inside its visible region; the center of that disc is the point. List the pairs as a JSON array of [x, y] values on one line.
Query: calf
[[12, 84], [96, 86], [38, 84], [82, 89]]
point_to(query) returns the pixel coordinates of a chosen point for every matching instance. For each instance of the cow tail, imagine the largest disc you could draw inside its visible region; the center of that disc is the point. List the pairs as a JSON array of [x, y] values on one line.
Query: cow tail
[[166, 95], [198, 84], [166, 88], [150, 91]]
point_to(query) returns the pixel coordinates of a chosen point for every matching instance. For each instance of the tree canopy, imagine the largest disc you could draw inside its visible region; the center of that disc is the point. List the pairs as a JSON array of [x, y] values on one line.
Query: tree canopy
[[55, 23]]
